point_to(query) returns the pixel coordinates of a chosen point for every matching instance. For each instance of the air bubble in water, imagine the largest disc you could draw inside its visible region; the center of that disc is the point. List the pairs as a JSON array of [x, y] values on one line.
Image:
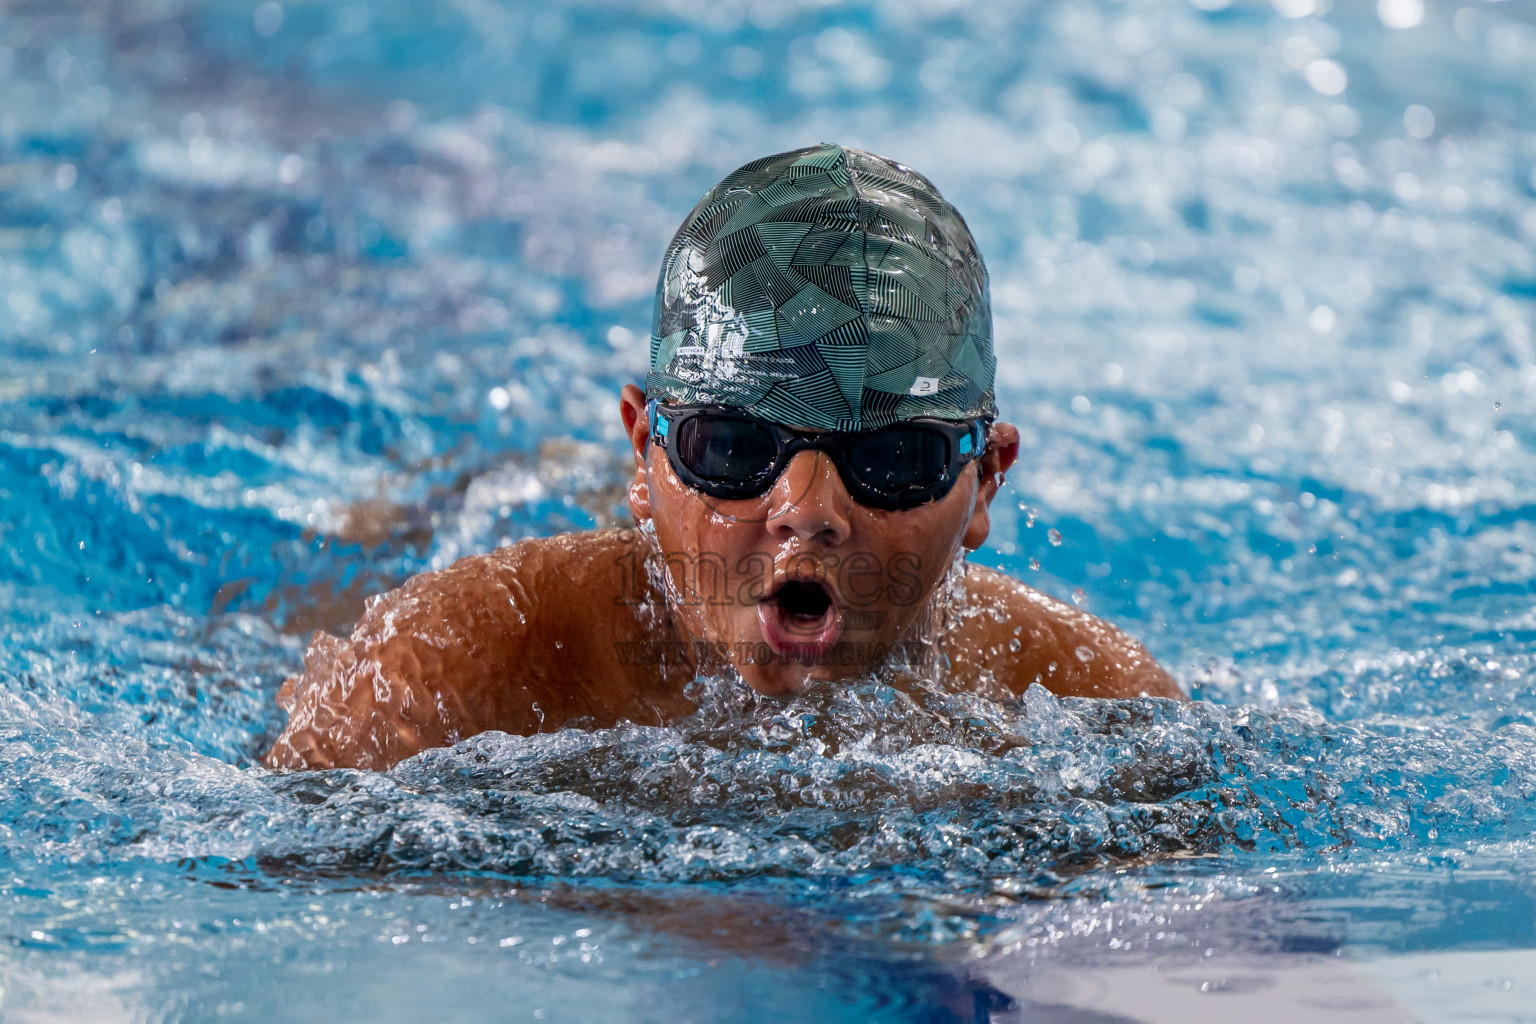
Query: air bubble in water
[[1084, 654], [1034, 563], [1054, 536], [1078, 597]]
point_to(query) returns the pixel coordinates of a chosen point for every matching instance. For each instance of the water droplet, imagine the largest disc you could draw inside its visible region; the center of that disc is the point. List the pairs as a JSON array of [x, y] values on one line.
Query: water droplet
[[1497, 406], [1078, 597], [1015, 645], [1084, 654], [1034, 563], [268, 19], [1054, 536]]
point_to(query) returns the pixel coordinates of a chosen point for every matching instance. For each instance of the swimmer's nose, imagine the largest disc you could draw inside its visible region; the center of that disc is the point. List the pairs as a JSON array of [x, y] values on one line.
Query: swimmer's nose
[[810, 501]]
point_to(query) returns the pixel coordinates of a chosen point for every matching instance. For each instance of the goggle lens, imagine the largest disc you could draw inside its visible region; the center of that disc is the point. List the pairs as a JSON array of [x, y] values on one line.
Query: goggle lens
[[900, 459], [727, 449]]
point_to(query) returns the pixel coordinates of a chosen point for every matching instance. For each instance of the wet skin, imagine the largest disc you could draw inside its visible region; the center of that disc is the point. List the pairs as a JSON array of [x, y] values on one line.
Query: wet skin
[[568, 630]]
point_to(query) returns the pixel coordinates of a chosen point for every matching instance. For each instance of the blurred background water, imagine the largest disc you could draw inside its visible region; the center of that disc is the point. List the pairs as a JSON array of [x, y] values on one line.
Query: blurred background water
[[297, 299]]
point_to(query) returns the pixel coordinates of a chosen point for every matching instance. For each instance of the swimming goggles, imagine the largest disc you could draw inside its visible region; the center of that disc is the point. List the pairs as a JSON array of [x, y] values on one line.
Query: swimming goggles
[[728, 454]]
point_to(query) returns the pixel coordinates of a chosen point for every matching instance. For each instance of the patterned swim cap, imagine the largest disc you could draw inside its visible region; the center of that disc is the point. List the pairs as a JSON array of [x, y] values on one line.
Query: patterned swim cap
[[826, 288]]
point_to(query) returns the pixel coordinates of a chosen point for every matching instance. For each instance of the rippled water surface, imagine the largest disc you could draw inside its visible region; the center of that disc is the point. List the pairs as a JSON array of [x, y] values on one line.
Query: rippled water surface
[[299, 299]]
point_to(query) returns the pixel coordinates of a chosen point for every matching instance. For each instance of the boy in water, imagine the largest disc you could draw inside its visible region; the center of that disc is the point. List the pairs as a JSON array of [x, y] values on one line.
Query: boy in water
[[815, 449]]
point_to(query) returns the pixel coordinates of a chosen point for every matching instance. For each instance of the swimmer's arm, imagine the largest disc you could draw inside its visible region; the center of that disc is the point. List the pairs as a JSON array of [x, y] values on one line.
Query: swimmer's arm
[[1071, 653], [429, 664]]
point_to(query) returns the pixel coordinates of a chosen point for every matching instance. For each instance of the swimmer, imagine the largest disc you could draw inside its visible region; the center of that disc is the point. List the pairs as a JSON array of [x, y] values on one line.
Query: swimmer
[[815, 449]]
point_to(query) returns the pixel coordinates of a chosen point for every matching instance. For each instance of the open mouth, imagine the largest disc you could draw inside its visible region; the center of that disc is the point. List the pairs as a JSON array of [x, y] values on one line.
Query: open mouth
[[800, 620], [806, 602]]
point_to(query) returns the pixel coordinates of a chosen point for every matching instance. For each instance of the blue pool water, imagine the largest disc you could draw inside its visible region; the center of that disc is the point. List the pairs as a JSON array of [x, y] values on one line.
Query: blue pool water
[[299, 299]]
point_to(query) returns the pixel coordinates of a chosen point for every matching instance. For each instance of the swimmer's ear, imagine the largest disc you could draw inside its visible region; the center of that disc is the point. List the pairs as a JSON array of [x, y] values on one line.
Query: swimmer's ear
[[1001, 453], [637, 428]]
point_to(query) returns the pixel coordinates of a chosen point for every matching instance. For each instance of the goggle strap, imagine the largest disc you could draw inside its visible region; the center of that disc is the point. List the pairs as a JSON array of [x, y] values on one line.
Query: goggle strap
[[659, 424], [974, 443]]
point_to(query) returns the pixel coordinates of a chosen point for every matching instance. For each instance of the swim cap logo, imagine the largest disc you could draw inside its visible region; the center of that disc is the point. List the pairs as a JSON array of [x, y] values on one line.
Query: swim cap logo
[[925, 386]]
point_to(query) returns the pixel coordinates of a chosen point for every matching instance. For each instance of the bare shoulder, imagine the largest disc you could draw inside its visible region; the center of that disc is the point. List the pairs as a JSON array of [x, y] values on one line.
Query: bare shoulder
[[534, 583], [1019, 636], [577, 558], [451, 653]]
